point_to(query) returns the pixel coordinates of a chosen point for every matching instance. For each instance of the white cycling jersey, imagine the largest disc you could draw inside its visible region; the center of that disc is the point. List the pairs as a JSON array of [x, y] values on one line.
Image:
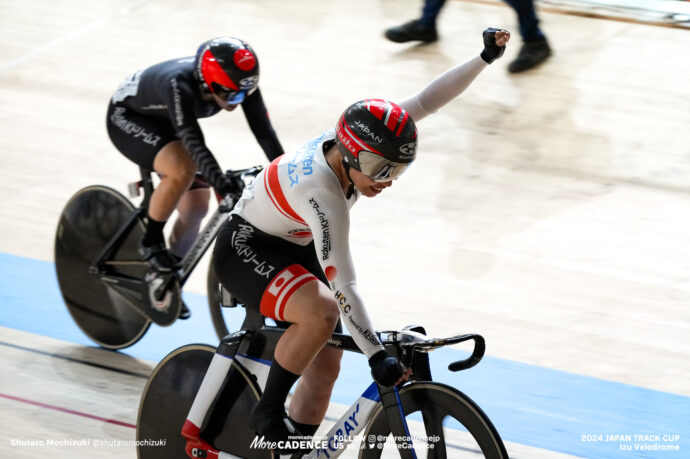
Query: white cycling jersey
[[299, 198]]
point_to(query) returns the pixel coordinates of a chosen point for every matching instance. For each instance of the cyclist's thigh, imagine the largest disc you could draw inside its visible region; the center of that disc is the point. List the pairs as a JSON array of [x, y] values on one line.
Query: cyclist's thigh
[[260, 270], [138, 137], [310, 260]]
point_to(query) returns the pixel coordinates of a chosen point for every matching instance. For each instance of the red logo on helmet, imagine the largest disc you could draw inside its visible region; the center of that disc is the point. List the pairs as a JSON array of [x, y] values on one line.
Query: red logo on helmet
[[244, 59]]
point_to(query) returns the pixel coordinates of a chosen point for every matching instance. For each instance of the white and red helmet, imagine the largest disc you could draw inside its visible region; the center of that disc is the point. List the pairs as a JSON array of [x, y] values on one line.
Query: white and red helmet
[[378, 138]]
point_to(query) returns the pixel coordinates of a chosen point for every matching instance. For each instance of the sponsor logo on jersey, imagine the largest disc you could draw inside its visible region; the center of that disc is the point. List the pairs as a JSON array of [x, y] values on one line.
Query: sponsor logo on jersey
[[342, 302], [325, 230], [240, 242], [132, 128], [345, 307], [177, 102], [128, 88]]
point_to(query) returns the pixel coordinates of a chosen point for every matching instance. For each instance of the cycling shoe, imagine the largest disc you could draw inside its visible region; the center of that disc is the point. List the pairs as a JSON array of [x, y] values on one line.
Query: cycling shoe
[[277, 429], [158, 257]]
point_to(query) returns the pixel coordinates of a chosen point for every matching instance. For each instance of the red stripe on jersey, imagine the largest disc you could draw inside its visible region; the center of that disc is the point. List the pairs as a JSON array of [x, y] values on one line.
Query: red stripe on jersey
[[281, 287], [301, 234], [275, 193], [402, 123], [375, 107]]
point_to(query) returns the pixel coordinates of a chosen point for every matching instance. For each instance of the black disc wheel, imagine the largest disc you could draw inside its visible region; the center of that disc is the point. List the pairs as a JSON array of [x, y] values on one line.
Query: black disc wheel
[[89, 220], [169, 395], [443, 423], [167, 399]]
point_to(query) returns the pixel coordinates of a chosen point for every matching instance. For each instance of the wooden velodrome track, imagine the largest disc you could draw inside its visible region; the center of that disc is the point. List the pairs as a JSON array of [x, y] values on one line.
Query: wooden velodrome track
[[547, 211]]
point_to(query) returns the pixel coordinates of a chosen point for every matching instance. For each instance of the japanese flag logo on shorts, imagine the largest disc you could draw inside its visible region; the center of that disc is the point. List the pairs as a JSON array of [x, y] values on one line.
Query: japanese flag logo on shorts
[[283, 285]]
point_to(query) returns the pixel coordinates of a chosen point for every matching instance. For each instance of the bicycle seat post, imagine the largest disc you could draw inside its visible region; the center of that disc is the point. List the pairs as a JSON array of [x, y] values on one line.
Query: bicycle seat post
[[146, 183]]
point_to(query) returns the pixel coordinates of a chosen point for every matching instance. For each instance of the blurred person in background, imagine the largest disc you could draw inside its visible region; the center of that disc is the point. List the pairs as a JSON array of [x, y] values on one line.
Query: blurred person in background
[[534, 51]]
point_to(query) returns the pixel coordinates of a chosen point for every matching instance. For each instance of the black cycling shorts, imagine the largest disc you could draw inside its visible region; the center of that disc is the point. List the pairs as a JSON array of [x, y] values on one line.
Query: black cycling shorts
[[261, 270], [138, 137]]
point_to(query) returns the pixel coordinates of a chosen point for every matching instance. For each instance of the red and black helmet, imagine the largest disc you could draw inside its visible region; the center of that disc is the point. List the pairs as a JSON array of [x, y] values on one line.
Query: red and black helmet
[[228, 67], [378, 138]]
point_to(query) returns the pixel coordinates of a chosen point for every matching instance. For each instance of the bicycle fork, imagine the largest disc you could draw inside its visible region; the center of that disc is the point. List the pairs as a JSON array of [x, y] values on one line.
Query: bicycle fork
[[395, 415]]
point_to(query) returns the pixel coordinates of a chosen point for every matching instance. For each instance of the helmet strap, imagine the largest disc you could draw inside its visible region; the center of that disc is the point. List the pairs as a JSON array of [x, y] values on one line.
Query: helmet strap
[[351, 191]]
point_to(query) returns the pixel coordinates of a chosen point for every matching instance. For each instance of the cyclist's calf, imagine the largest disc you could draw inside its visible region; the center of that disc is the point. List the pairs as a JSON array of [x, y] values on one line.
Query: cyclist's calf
[[313, 392]]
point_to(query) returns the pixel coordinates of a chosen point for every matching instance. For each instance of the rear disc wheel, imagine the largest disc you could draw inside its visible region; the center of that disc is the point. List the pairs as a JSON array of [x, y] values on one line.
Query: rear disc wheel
[[87, 223]]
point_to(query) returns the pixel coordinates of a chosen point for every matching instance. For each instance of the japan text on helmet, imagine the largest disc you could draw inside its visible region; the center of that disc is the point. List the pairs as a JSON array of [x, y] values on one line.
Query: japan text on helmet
[[378, 138], [228, 67]]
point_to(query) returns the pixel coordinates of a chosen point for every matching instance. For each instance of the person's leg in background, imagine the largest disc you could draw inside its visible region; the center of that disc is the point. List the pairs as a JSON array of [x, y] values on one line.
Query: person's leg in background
[[422, 29], [176, 169], [535, 48], [191, 210], [163, 153]]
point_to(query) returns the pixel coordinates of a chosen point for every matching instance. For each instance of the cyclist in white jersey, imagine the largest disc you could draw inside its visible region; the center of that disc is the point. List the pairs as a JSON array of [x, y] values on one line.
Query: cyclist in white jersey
[[285, 247]]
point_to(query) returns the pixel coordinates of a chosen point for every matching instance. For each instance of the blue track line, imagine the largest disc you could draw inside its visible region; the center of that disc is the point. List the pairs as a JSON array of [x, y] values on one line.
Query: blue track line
[[532, 405]]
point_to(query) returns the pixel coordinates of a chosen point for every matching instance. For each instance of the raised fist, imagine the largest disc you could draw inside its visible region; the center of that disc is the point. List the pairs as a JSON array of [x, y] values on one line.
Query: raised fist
[[494, 44]]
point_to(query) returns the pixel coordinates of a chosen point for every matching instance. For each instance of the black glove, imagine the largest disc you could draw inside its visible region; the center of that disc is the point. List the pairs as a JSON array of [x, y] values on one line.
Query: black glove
[[385, 370], [227, 187], [491, 52]]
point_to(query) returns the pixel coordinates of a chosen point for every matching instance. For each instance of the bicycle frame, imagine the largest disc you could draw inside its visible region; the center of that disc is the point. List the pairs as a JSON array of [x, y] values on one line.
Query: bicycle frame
[[127, 284], [235, 348], [205, 238]]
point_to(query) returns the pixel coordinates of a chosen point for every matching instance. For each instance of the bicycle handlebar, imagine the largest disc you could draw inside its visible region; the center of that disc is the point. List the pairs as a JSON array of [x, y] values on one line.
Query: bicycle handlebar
[[237, 178], [477, 352], [242, 173], [419, 341]]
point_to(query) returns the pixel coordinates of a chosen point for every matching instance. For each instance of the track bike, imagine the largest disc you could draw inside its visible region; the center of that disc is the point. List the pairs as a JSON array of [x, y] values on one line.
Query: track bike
[[111, 292], [184, 414]]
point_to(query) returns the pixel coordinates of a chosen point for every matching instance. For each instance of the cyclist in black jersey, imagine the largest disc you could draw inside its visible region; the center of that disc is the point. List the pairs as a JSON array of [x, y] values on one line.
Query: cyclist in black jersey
[[152, 120]]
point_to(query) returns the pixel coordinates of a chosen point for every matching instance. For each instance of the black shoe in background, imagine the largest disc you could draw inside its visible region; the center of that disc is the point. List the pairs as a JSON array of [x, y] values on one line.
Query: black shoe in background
[[412, 31], [158, 256], [185, 313], [531, 54]]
